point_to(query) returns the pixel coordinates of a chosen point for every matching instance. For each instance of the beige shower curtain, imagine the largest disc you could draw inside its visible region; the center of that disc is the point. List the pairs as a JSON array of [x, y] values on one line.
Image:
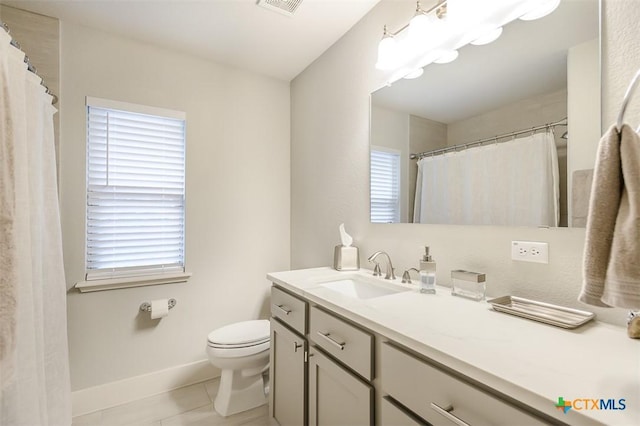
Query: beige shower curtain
[[34, 365]]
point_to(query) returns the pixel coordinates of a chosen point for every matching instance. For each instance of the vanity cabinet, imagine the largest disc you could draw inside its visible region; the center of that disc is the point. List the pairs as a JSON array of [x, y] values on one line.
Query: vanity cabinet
[[339, 388], [337, 396], [288, 359], [287, 396], [441, 398], [327, 383], [289, 309], [392, 414], [406, 359], [350, 345]]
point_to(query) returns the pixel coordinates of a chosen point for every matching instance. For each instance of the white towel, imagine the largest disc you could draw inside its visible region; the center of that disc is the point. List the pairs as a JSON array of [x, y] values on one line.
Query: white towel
[[612, 247]]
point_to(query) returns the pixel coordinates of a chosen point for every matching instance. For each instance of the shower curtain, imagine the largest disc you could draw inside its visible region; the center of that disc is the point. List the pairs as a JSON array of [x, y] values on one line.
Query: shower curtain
[[34, 366], [510, 183]]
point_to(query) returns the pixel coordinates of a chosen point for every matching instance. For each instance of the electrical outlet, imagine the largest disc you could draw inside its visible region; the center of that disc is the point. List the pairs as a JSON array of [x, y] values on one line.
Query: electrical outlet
[[530, 251]]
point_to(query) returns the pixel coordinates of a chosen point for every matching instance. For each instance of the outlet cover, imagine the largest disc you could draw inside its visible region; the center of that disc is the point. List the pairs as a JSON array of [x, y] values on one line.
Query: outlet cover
[[530, 251]]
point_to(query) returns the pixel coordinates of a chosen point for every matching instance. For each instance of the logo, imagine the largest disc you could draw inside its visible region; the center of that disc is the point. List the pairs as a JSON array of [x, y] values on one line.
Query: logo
[[582, 404], [563, 405]]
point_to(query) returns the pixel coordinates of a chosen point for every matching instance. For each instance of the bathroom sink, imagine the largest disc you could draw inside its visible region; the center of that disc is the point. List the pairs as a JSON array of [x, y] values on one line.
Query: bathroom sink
[[361, 288]]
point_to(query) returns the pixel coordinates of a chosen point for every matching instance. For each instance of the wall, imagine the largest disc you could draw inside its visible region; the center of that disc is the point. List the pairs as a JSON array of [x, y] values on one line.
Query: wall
[[329, 170], [524, 114], [391, 130], [424, 135], [583, 104], [237, 217]]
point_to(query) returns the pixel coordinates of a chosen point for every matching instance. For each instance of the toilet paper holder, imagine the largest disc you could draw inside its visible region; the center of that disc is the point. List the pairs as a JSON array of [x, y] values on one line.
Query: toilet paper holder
[[146, 306]]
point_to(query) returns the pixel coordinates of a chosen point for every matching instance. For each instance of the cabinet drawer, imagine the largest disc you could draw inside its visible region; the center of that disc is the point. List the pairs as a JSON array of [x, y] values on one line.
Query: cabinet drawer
[[347, 343], [289, 309], [440, 398], [390, 414]]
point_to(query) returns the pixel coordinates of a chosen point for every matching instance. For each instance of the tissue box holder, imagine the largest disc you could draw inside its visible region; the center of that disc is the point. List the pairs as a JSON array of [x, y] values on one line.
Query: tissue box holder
[[346, 258], [471, 285]]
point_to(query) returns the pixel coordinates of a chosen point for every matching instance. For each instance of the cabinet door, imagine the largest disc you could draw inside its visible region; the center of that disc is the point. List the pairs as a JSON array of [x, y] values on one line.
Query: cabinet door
[[287, 374], [391, 414], [336, 396]]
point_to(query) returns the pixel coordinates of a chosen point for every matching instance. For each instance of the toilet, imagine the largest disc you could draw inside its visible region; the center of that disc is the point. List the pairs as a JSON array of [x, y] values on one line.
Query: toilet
[[241, 351]]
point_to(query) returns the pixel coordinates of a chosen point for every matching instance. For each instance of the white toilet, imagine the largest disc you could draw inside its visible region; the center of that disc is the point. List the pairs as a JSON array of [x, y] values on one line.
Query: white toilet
[[241, 351]]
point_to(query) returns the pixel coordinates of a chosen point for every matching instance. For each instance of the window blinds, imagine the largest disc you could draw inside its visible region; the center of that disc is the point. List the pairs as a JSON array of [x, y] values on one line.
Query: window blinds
[[135, 191], [385, 186]]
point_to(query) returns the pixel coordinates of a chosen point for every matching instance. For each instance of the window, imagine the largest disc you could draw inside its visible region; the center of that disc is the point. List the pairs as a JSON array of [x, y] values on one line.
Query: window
[[385, 185], [135, 191]]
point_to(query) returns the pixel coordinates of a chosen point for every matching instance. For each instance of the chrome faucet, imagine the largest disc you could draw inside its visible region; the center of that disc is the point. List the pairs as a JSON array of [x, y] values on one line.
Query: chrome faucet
[[406, 277], [389, 274]]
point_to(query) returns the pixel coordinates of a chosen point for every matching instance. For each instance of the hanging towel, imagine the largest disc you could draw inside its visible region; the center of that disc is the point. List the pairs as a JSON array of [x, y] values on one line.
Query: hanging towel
[[612, 247]]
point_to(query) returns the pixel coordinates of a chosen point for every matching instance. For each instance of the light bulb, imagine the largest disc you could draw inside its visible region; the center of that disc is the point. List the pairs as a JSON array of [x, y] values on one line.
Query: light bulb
[[447, 56], [540, 10], [488, 37], [387, 53], [419, 26]]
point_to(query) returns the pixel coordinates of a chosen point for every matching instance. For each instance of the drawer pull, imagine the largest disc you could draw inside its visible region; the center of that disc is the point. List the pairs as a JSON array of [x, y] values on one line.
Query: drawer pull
[[284, 309], [446, 412], [296, 346], [328, 337]]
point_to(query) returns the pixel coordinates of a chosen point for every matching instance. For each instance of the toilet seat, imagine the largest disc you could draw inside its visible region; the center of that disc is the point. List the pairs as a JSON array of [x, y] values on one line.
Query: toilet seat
[[237, 352], [240, 339]]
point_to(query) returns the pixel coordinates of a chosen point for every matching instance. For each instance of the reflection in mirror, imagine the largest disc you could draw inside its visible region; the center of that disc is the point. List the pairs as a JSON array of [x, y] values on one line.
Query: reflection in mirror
[[504, 135]]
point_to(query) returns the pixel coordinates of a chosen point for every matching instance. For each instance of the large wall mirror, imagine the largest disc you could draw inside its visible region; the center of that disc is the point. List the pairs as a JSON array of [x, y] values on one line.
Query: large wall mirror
[[504, 135]]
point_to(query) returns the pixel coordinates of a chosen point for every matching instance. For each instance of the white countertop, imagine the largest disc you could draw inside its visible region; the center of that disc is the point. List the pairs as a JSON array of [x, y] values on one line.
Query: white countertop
[[532, 362]]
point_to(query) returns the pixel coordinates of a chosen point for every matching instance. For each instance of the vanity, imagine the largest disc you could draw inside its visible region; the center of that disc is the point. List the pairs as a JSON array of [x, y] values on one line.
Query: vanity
[[350, 348]]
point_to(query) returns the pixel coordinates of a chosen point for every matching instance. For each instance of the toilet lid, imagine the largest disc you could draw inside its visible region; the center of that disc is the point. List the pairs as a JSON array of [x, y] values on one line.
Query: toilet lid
[[245, 333]]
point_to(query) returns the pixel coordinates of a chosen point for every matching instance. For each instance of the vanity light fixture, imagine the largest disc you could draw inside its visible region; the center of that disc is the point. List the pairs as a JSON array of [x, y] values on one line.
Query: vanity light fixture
[[541, 10], [414, 74], [435, 35]]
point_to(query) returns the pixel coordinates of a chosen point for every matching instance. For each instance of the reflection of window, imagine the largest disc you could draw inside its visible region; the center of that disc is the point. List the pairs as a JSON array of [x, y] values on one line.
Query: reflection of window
[[135, 190], [385, 185]]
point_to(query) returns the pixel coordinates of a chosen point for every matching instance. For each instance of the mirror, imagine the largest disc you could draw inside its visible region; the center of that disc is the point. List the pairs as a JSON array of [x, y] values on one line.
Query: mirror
[[537, 73]]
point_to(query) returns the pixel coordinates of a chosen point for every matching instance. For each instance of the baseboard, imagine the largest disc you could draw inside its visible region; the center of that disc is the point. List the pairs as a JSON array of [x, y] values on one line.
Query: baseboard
[[108, 395]]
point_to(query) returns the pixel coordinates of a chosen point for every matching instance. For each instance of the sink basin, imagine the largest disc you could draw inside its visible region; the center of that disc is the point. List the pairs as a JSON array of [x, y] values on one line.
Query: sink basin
[[361, 288]]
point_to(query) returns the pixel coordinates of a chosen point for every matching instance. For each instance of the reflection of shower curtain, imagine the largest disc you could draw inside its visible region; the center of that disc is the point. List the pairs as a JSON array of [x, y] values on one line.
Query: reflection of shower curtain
[[34, 364], [509, 183]]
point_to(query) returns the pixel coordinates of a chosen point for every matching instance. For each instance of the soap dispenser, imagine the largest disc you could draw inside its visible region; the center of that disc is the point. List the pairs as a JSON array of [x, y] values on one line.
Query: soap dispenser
[[427, 273]]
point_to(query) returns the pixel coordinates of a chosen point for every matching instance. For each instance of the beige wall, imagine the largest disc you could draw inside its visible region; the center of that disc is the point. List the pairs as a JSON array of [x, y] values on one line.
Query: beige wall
[[524, 114], [329, 171], [390, 129], [584, 104], [237, 186], [424, 135]]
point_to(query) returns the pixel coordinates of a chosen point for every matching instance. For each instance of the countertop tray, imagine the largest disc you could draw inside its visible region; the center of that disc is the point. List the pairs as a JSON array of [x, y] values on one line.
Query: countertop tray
[[559, 316]]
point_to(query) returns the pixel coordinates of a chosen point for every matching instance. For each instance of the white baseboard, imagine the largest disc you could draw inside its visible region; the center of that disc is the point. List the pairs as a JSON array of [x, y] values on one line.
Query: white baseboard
[[108, 395]]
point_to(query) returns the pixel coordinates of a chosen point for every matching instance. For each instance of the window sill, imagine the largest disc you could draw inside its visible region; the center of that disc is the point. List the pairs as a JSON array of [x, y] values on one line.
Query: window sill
[[117, 283]]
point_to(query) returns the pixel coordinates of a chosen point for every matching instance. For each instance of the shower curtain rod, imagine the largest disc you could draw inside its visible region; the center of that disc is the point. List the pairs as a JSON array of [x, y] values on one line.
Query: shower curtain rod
[[30, 66], [532, 130]]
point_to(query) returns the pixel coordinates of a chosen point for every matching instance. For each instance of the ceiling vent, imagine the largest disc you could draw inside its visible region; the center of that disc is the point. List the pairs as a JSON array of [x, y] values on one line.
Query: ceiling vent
[[285, 7]]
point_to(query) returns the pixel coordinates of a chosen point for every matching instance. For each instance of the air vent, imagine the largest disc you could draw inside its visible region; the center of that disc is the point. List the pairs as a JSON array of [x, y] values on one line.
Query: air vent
[[285, 7]]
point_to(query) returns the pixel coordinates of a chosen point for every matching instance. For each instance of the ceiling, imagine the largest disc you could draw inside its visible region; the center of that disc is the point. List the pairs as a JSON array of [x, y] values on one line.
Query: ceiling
[[233, 32]]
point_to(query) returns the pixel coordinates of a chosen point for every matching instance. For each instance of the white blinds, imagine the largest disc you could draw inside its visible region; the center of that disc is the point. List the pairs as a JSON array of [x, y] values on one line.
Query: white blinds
[[135, 192], [385, 186]]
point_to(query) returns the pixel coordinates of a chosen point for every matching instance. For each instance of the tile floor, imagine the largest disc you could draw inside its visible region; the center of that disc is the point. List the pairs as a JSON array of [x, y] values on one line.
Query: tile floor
[[187, 406]]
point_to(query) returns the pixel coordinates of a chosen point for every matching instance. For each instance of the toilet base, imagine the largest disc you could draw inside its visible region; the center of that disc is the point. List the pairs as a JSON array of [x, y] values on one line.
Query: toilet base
[[238, 393]]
